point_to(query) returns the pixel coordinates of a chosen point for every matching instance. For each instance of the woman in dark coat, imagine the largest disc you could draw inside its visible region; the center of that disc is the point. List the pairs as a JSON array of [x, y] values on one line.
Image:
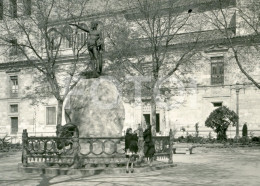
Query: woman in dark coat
[[131, 148], [149, 148]]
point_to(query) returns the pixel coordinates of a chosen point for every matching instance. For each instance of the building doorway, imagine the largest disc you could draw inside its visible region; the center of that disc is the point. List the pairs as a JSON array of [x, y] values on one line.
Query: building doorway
[[14, 125], [147, 118]]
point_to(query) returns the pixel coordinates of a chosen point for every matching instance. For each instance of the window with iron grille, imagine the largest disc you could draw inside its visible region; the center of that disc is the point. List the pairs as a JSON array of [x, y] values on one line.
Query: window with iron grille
[[14, 47], [217, 70], [14, 108], [50, 115], [14, 125], [14, 86], [13, 8]]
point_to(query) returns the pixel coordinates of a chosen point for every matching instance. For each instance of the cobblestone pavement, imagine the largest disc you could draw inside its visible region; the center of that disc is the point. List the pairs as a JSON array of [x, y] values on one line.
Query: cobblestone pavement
[[237, 166]]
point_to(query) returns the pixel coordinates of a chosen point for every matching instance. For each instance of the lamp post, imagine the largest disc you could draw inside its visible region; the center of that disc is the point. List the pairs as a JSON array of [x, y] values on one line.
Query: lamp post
[[237, 88]]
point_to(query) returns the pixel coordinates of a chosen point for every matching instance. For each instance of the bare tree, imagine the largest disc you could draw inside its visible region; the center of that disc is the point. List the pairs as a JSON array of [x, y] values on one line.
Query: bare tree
[[142, 45], [248, 12], [37, 33]]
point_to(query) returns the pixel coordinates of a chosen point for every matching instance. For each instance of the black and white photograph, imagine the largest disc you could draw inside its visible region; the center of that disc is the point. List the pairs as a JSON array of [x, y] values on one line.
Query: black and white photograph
[[129, 92]]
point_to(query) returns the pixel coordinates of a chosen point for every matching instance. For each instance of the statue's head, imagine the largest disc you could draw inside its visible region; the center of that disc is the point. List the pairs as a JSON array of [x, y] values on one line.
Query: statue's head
[[94, 25]]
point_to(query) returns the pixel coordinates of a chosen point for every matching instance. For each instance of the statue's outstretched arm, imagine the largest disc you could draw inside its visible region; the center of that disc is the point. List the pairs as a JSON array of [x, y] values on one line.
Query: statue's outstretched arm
[[81, 28]]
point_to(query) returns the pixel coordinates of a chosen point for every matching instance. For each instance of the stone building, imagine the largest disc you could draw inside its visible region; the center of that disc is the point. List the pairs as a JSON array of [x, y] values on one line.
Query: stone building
[[217, 79]]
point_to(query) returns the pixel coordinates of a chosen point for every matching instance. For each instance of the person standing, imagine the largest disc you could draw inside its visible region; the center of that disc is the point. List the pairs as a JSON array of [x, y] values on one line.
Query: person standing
[[131, 148], [149, 148]]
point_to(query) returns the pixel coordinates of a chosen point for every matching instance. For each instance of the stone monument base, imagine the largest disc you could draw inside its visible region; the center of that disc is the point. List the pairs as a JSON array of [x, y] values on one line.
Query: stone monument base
[[95, 169], [96, 108]]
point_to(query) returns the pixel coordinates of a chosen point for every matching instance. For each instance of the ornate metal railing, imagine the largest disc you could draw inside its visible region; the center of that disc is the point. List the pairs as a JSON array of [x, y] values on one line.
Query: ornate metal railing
[[163, 144], [84, 152]]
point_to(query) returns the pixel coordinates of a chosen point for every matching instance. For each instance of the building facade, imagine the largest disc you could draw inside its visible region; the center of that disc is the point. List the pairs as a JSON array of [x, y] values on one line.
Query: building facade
[[217, 80]]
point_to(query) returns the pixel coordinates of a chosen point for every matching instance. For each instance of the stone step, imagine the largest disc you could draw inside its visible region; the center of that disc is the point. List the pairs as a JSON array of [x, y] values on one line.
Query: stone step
[[92, 171]]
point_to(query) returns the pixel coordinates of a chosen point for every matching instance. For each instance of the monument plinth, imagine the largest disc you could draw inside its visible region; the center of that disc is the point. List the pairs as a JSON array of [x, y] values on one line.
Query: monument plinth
[[96, 108]]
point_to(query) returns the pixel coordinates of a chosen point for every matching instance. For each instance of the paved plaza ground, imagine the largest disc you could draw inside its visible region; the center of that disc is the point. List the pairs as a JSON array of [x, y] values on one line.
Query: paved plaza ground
[[207, 166]]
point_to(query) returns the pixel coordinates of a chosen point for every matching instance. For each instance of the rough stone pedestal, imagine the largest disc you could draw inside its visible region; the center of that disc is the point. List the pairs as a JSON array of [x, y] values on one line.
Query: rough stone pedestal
[[96, 108]]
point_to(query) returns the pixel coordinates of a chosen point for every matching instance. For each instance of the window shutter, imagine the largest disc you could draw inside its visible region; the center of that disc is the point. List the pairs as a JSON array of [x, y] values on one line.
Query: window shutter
[[217, 70]]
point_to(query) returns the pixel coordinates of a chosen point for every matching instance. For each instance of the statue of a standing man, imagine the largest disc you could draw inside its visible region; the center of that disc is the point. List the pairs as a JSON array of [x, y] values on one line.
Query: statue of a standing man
[[95, 43]]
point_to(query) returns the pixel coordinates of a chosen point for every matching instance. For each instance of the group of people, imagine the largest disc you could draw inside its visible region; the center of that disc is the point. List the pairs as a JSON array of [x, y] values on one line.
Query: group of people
[[131, 146]]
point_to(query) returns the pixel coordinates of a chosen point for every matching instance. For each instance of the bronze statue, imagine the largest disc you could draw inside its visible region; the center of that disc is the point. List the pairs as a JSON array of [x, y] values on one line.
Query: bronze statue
[[66, 131], [95, 43]]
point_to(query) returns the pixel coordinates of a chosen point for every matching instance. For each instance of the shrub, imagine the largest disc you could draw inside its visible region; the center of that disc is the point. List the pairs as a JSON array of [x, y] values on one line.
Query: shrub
[[197, 129], [190, 139], [16, 146], [244, 130], [251, 134], [4, 143], [244, 140], [181, 139], [6, 146], [183, 129], [255, 139], [220, 119], [210, 136]]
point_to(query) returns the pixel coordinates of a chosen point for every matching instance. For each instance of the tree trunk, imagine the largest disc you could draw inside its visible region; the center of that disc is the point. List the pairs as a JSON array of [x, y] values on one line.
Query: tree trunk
[[153, 115], [221, 135], [225, 134], [59, 112]]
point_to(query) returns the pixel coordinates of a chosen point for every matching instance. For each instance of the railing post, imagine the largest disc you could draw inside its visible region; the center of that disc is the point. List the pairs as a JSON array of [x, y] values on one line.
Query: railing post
[[76, 151], [170, 146], [25, 147]]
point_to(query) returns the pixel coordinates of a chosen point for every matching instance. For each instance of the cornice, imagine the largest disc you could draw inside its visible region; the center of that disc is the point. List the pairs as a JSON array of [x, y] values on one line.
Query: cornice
[[8, 66], [181, 6], [13, 70], [219, 45]]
